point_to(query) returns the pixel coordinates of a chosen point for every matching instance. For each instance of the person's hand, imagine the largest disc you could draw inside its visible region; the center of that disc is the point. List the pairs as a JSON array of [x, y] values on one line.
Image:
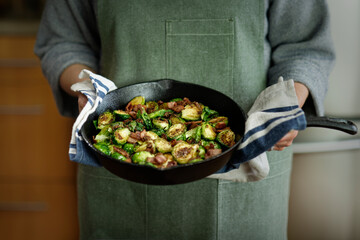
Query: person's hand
[[302, 92], [82, 100]]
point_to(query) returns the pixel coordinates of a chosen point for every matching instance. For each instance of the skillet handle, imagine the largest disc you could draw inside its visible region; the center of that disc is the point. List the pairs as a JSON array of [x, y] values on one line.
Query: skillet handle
[[333, 123]]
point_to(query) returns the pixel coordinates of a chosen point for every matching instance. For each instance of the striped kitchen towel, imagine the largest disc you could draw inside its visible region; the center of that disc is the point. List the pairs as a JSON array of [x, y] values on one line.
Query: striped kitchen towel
[[274, 113], [94, 88]]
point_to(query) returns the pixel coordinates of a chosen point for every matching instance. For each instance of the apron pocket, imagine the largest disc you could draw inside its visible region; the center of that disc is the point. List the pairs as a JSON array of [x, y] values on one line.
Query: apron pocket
[[201, 51]]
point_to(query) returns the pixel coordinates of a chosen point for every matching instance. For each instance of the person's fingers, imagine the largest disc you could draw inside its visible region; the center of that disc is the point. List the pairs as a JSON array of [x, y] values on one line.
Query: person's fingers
[[286, 141], [82, 100]]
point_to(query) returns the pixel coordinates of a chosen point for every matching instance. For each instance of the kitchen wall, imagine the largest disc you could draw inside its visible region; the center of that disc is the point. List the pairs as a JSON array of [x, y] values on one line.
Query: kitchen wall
[[325, 200]]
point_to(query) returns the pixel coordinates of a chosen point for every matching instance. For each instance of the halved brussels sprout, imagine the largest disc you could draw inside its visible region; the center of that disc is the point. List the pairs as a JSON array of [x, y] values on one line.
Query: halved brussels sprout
[[161, 123], [160, 113], [193, 134], [226, 138], [140, 157], [208, 132], [174, 119], [104, 135], [149, 135], [220, 119], [148, 146], [121, 115], [176, 131], [210, 144], [191, 112], [183, 152], [208, 114], [162, 145], [201, 152], [137, 100], [121, 135], [151, 106], [105, 118]]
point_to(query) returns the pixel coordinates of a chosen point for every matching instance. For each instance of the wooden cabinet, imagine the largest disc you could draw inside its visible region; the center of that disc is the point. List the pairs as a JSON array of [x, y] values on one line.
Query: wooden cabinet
[[37, 180]]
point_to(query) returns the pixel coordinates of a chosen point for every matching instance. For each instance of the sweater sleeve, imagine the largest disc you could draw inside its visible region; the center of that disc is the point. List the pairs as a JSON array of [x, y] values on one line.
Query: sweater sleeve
[[67, 34], [300, 39]]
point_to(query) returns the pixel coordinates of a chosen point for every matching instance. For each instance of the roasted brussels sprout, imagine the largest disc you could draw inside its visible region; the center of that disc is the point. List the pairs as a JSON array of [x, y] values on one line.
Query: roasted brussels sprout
[[160, 113], [162, 145], [118, 156], [151, 106], [174, 119], [208, 114], [105, 118], [193, 135], [140, 157], [210, 144], [183, 152], [102, 147], [208, 132], [121, 135], [150, 135], [161, 123], [226, 138], [148, 146], [121, 115], [191, 112], [137, 100], [176, 131], [129, 148], [104, 135]]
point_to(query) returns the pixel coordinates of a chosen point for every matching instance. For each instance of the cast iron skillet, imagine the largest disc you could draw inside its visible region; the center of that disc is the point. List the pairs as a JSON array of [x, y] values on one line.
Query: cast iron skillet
[[167, 89]]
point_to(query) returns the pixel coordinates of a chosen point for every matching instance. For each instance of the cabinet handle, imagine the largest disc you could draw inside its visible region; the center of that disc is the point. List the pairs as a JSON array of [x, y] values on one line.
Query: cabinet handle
[[23, 206], [21, 109]]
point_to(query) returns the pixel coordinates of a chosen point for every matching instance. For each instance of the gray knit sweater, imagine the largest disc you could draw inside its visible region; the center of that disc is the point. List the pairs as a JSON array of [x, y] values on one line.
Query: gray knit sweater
[[297, 44]]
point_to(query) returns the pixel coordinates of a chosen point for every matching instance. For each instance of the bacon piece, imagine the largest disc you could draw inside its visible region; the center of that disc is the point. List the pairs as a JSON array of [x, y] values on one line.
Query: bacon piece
[[212, 152], [121, 151], [160, 158]]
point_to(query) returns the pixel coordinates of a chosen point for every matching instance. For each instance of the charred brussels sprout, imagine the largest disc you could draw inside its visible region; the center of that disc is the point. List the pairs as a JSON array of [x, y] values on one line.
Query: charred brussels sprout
[[176, 131], [226, 138], [162, 145], [183, 152], [105, 118], [160, 113], [191, 112], [220, 119], [208, 114], [161, 123], [140, 157], [150, 135], [208, 132], [148, 146], [121, 115], [121, 135]]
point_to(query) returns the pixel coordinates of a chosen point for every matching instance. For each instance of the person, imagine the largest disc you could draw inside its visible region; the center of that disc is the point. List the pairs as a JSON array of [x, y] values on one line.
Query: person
[[237, 47]]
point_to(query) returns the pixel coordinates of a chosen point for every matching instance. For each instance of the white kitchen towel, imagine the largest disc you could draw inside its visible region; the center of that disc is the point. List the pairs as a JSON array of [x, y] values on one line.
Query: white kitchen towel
[[274, 113], [95, 87]]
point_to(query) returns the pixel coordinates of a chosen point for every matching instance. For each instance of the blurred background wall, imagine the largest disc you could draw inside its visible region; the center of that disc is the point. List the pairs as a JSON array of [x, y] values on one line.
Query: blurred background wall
[[325, 195]]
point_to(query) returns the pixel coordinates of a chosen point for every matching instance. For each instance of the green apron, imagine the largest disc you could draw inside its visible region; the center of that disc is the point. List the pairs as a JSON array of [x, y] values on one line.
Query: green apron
[[219, 44]]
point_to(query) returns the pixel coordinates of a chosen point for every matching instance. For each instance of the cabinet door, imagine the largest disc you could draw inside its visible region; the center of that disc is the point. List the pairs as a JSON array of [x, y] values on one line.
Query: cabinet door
[[38, 210]]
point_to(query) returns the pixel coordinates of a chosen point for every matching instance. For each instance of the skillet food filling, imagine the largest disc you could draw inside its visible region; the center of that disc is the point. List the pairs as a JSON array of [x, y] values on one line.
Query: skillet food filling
[[162, 134]]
